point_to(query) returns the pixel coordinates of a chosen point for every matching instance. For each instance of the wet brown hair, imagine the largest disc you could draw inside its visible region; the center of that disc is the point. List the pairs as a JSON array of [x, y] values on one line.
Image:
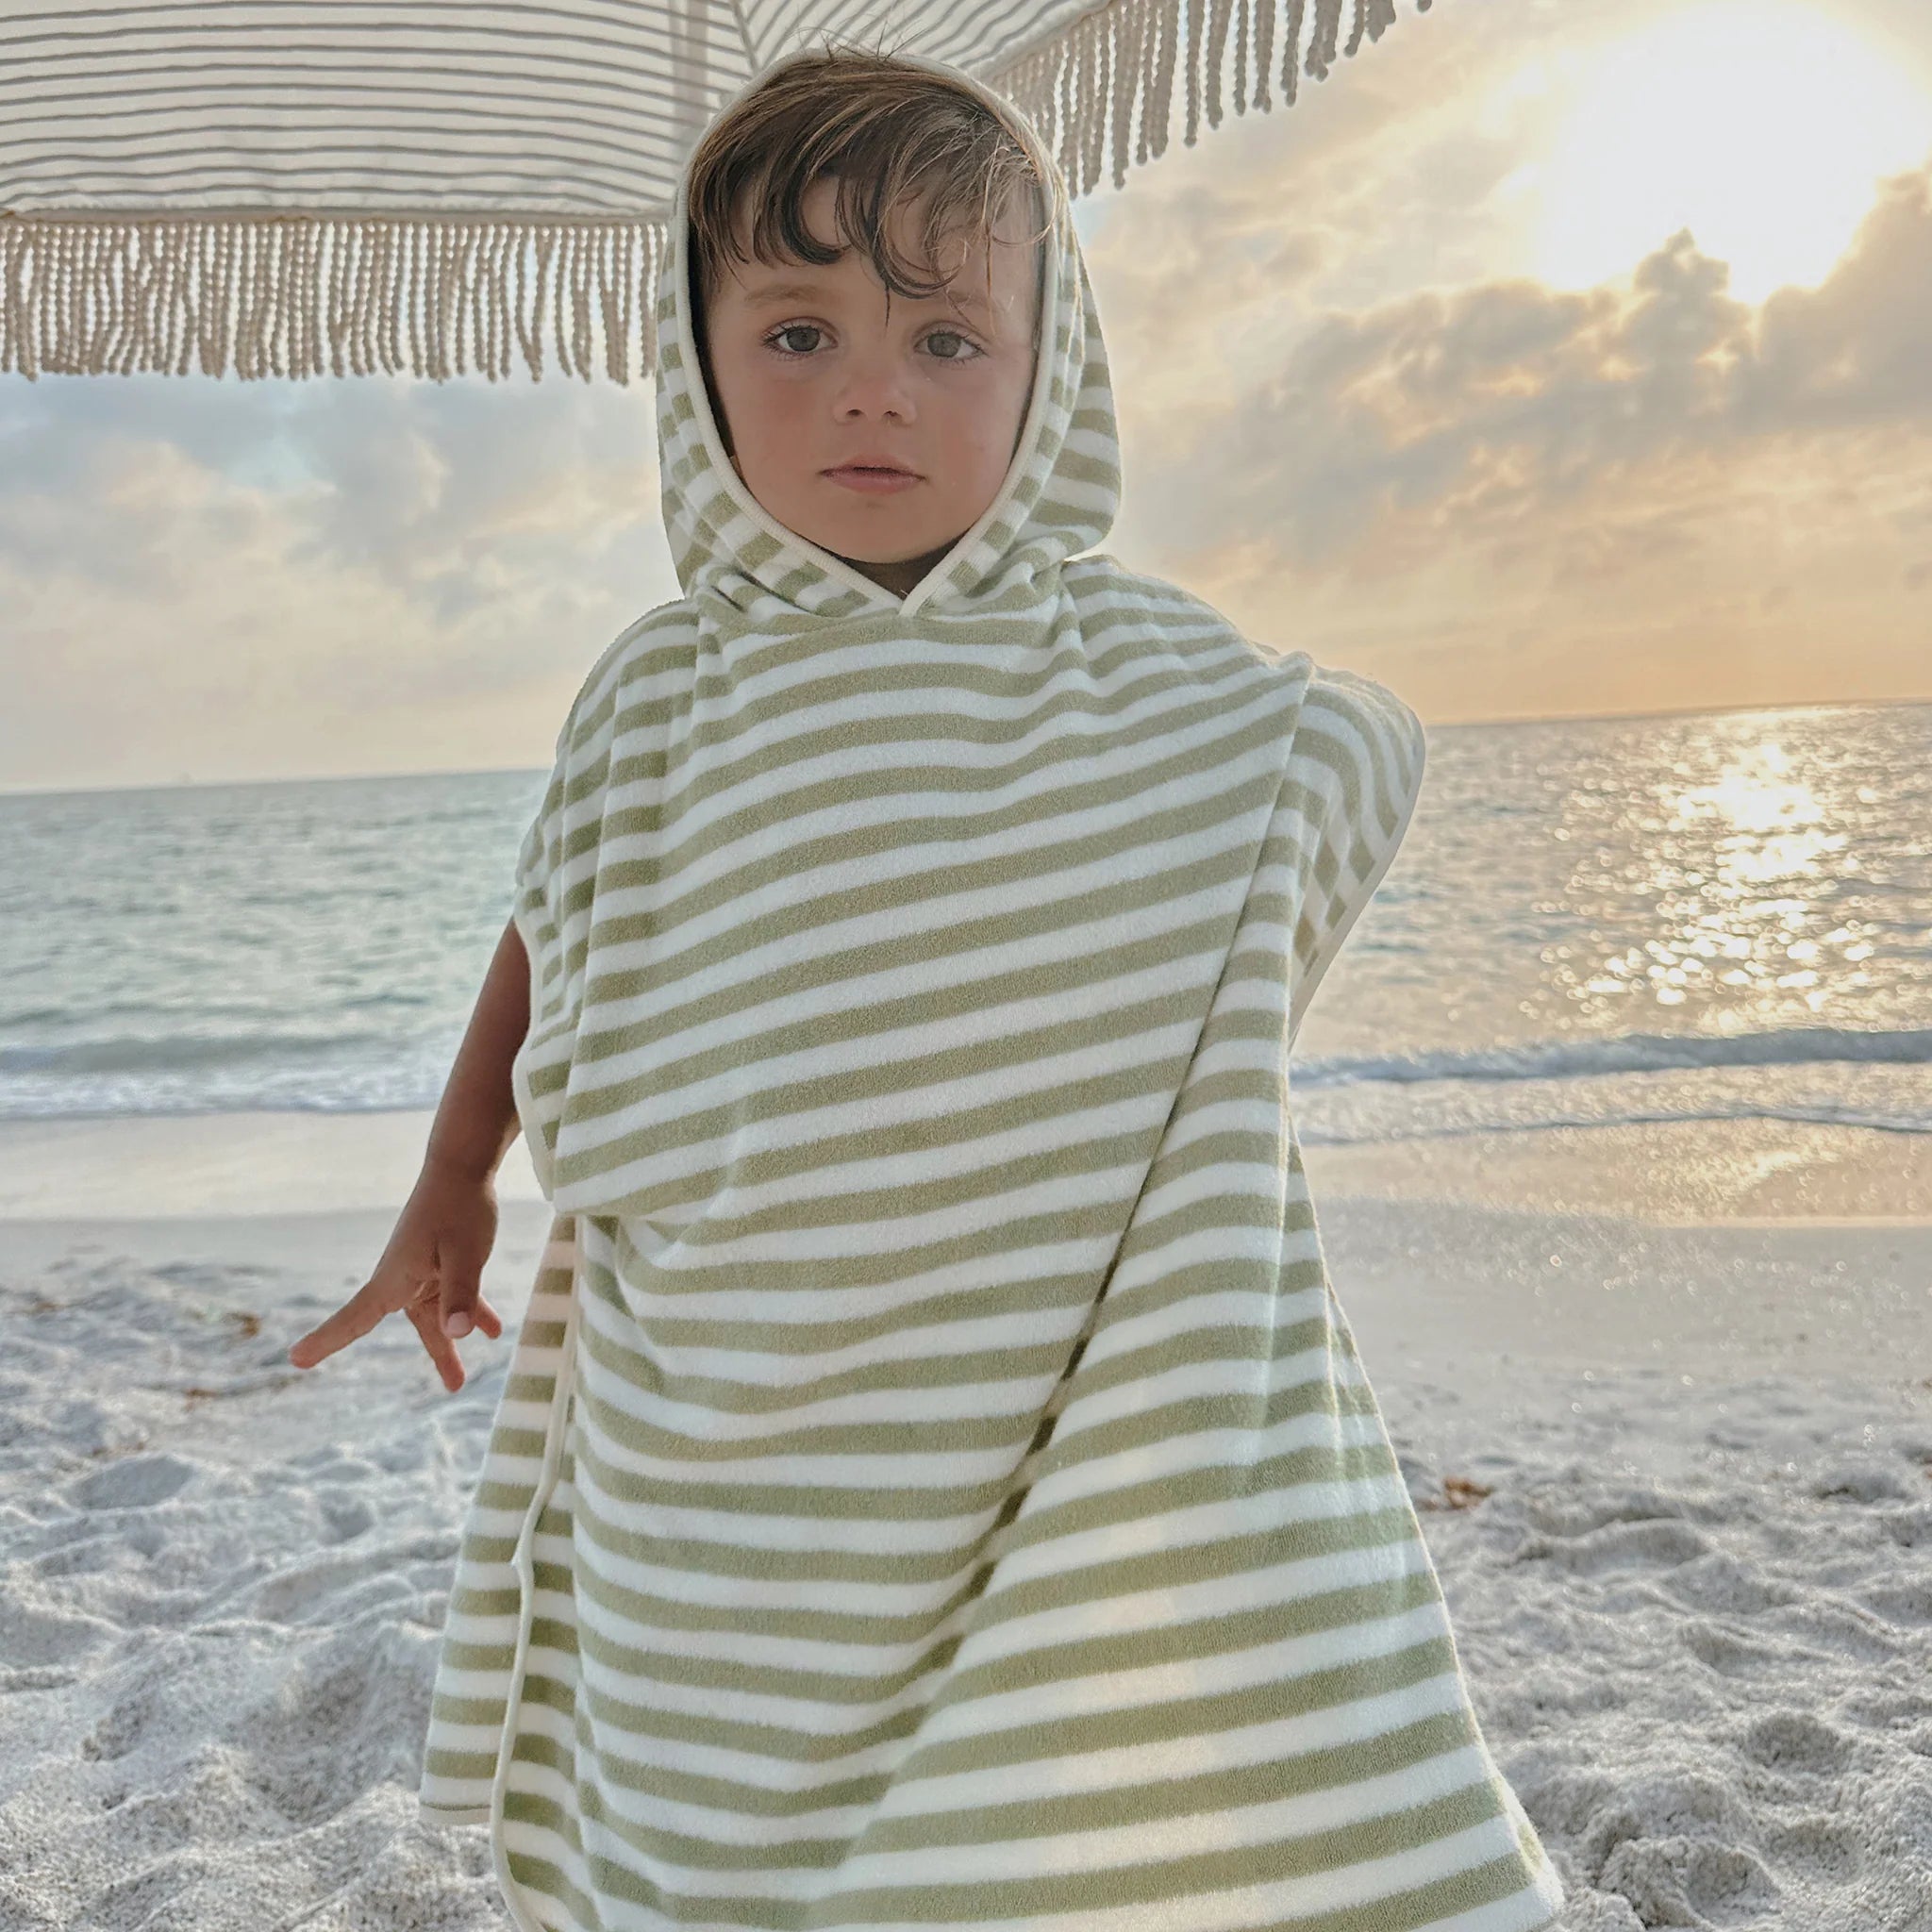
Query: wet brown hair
[[891, 133]]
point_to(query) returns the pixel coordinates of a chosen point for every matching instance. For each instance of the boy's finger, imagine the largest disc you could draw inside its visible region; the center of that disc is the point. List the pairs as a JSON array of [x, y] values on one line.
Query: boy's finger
[[353, 1319], [443, 1351], [483, 1320], [462, 1293]]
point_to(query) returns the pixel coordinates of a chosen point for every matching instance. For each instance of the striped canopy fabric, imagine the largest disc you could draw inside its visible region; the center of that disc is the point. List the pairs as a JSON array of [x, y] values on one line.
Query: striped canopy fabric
[[298, 187]]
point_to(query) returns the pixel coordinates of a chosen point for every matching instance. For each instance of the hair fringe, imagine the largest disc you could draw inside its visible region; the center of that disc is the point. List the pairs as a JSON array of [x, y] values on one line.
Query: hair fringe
[[891, 133]]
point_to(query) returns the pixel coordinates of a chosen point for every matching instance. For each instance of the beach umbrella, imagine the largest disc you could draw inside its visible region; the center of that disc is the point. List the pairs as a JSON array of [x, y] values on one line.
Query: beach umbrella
[[340, 188]]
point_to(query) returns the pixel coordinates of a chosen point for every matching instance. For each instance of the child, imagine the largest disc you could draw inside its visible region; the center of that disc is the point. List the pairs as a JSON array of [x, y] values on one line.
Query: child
[[935, 1481]]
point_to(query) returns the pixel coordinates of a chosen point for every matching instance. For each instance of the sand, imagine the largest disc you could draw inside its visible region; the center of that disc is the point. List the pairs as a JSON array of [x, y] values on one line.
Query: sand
[[1663, 1395]]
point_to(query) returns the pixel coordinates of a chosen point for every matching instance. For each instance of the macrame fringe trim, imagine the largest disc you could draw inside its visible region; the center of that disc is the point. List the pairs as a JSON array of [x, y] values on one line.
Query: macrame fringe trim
[[308, 295], [301, 295]]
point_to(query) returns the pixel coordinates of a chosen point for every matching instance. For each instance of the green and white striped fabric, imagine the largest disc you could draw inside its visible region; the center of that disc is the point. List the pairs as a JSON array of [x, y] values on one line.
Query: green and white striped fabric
[[935, 1484]]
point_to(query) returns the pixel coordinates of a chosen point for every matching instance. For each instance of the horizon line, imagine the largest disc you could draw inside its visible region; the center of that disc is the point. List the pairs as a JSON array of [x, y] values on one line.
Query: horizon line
[[189, 783]]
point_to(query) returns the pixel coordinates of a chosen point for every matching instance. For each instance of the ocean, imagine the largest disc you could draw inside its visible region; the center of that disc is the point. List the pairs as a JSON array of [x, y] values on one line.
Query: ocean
[[1707, 915]]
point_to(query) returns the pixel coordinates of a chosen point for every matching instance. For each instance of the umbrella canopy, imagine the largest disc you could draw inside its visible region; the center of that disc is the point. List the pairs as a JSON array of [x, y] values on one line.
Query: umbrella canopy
[[339, 188]]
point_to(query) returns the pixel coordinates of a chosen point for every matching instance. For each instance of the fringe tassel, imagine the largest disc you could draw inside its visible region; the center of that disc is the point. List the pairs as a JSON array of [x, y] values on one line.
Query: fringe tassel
[[296, 295], [1081, 89], [301, 295]]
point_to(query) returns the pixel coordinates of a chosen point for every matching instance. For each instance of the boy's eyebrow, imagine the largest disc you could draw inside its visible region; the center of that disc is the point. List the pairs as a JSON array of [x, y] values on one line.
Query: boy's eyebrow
[[806, 292]]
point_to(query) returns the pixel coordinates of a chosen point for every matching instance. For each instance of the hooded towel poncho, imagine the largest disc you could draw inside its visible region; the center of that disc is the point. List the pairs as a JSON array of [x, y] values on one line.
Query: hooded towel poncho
[[935, 1483]]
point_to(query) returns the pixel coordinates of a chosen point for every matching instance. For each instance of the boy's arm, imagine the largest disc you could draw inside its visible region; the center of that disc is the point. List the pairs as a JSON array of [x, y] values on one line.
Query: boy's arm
[[433, 1265], [477, 1120]]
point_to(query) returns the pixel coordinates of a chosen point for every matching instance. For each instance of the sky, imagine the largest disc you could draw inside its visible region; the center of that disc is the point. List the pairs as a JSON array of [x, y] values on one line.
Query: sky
[[1549, 358]]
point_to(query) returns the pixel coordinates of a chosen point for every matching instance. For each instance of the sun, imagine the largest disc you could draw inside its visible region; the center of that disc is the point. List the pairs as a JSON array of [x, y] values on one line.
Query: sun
[[1761, 126]]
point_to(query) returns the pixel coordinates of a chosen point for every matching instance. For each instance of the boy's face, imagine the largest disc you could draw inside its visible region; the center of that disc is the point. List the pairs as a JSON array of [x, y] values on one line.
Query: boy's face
[[813, 368]]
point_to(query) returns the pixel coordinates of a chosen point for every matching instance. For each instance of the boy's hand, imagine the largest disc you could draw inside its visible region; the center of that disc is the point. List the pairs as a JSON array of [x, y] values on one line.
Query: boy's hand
[[432, 1269]]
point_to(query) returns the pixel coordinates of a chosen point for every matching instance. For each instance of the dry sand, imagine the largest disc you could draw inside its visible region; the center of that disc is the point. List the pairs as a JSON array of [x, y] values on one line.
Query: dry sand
[[1663, 1396]]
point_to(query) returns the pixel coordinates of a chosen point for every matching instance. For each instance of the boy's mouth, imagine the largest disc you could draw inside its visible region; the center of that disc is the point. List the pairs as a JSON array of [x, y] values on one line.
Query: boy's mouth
[[875, 475], [872, 463]]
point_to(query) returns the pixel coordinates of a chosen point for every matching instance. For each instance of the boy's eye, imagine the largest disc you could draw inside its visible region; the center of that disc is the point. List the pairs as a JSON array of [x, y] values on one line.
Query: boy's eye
[[958, 338], [772, 340], [792, 329]]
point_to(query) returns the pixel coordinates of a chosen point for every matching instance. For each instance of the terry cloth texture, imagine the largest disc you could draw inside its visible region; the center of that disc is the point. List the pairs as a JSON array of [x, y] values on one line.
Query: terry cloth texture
[[935, 1483]]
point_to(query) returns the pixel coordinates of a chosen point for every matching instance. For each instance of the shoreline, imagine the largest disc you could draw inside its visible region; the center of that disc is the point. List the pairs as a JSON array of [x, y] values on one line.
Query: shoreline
[[1724, 1249], [1750, 1172], [142, 1167]]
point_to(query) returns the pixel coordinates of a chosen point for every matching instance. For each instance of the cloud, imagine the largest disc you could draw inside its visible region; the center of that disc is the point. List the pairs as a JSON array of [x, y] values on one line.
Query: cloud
[[253, 578], [1648, 470], [1340, 424], [1456, 415]]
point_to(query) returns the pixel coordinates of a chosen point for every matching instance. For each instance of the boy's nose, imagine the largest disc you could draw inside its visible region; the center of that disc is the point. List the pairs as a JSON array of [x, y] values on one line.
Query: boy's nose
[[874, 385]]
